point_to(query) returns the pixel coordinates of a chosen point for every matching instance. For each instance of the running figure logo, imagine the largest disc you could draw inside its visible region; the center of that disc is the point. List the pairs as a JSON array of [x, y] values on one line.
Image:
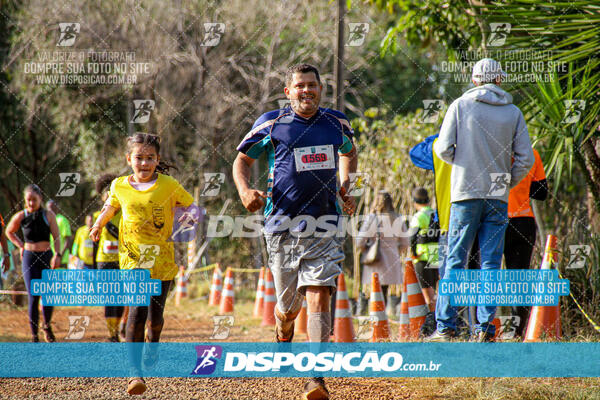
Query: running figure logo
[[499, 33], [212, 34], [184, 223], [68, 33], [500, 183], [358, 182], [283, 105], [292, 254], [68, 183], [431, 111], [579, 255], [365, 327], [77, 326], [358, 33], [207, 359], [508, 326], [222, 324], [212, 183], [148, 254], [573, 111], [142, 110]]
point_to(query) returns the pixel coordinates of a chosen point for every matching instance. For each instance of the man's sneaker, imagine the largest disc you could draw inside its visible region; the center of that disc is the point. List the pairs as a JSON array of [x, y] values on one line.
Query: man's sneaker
[[438, 336], [429, 325], [136, 386], [279, 339], [150, 355], [482, 337], [48, 334], [315, 389]]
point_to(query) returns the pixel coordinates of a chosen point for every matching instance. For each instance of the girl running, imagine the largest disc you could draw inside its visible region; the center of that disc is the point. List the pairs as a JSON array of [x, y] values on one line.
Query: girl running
[[146, 200], [106, 255], [36, 224]]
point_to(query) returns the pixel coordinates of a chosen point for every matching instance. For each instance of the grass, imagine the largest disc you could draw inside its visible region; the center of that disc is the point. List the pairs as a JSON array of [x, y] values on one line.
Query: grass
[[508, 388]]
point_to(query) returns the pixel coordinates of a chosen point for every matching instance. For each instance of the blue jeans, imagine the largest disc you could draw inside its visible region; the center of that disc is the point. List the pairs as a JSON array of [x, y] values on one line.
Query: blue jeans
[[442, 253], [489, 219]]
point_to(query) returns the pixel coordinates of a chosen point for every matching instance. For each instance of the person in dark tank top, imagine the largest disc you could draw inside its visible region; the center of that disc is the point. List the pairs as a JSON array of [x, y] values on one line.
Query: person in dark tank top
[[36, 225]]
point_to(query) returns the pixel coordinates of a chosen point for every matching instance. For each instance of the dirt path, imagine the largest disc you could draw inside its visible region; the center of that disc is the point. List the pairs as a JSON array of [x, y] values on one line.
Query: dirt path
[[193, 323]]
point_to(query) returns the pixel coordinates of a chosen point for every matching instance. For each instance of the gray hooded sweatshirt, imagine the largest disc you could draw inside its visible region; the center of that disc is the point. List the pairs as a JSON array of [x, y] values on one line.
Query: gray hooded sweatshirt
[[482, 131]]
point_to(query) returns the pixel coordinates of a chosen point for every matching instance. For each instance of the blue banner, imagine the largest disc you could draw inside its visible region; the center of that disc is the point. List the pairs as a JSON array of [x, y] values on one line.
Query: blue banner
[[108, 287], [501, 287], [301, 359]]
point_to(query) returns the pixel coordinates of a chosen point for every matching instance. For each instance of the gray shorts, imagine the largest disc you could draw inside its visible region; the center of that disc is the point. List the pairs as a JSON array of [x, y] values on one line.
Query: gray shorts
[[297, 262]]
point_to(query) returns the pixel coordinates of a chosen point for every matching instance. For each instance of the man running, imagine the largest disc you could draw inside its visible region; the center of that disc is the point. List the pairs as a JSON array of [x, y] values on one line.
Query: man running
[[305, 146]]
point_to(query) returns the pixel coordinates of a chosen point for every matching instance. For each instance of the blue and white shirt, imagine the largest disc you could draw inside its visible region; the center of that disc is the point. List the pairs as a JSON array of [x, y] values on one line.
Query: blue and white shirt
[[303, 157]]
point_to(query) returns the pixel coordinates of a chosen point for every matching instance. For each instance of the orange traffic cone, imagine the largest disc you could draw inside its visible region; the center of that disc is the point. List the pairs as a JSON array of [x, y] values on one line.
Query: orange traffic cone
[[343, 330], [227, 296], [260, 294], [302, 321], [270, 300], [216, 287], [404, 330], [181, 290], [381, 328], [417, 308], [544, 321]]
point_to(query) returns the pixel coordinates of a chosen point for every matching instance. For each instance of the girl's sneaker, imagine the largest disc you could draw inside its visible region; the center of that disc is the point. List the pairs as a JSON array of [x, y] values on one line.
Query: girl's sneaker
[[136, 386], [48, 334]]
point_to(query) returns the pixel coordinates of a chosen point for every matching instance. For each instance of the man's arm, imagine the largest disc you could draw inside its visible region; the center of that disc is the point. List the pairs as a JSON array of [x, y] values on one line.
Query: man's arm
[[348, 164], [251, 198], [522, 153], [444, 147]]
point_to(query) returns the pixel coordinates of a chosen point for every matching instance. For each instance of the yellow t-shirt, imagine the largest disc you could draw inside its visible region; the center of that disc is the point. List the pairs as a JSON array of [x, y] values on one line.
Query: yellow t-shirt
[[108, 245], [83, 247], [147, 223]]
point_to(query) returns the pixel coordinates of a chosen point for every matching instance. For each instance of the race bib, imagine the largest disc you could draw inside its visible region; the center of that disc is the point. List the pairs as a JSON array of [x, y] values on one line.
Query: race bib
[[314, 157], [110, 247]]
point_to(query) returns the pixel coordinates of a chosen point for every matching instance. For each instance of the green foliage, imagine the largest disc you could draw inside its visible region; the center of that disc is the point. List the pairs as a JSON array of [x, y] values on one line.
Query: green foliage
[[568, 34], [383, 148], [425, 23]]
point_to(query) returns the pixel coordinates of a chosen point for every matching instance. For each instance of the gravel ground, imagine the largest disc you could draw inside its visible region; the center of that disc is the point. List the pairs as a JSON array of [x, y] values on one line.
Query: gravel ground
[[185, 324], [193, 323], [191, 388]]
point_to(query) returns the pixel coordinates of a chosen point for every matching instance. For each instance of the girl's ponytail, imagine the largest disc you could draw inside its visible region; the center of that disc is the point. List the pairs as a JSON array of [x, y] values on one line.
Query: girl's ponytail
[[163, 167]]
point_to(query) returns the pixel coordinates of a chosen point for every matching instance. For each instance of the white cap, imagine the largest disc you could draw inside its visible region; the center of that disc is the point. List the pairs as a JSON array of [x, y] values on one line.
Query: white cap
[[487, 70]]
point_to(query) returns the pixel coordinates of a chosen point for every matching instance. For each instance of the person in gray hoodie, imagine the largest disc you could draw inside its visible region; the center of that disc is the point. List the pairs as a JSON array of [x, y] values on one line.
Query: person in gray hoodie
[[485, 139]]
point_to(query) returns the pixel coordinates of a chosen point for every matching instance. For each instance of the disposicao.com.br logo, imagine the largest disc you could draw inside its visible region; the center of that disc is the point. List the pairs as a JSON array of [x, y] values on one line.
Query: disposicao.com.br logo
[[370, 361], [207, 359]]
